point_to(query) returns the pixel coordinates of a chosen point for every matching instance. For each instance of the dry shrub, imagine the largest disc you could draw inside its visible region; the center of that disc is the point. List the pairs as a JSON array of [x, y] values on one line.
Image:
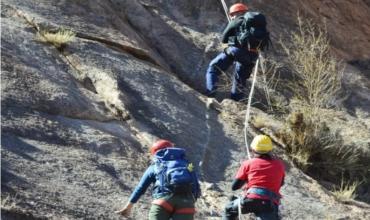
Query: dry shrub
[[319, 151], [316, 74], [259, 122], [58, 38], [314, 83], [225, 81], [346, 191], [270, 81], [9, 201]]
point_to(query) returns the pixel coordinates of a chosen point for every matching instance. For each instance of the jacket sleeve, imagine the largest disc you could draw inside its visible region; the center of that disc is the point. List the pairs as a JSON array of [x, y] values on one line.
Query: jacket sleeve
[[147, 179], [237, 184]]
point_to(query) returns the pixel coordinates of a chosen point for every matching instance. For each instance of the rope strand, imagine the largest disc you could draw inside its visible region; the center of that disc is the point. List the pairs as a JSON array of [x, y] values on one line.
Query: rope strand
[[226, 10], [247, 113]]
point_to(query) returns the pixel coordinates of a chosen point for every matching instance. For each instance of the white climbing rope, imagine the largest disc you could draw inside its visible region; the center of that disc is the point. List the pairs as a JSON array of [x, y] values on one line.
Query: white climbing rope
[[208, 137], [246, 125], [226, 10], [251, 91], [247, 113]]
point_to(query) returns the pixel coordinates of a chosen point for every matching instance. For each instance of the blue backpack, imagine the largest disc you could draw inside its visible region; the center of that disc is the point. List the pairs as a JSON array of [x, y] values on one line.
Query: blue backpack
[[253, 32], [175, 173]]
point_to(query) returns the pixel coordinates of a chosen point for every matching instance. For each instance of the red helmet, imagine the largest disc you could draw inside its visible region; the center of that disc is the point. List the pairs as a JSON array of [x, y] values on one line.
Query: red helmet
[[238, 7], [161, 144]]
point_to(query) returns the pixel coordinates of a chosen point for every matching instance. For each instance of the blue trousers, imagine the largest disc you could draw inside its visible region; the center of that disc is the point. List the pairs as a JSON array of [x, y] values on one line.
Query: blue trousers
[[244, 63]]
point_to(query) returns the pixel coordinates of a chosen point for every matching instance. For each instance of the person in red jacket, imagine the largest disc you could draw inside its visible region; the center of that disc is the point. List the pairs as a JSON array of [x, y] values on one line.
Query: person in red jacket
[[262, 176]]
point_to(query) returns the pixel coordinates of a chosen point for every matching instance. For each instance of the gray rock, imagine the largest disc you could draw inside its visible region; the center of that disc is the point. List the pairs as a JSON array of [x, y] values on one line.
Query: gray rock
[[77, 121]]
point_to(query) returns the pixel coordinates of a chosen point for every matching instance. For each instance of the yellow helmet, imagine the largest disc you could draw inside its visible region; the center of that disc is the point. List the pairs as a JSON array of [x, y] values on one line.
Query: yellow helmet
[[261, 144]]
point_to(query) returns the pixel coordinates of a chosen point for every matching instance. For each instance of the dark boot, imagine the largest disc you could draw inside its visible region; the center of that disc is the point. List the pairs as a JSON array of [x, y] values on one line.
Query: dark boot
[[231, 209]]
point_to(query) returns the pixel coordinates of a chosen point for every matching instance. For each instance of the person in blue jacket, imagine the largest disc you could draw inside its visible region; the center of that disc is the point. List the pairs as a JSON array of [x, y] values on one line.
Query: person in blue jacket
[[170, 202], [243, 57]]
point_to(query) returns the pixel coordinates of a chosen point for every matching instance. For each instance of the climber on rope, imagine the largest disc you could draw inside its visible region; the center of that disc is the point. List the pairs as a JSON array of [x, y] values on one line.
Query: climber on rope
[[262, 176], [246, 34], [176, 185]]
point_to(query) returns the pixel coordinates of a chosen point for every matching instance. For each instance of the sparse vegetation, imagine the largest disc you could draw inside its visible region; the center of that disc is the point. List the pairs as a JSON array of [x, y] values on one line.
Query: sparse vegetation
[[314, 82], [270, 81], [225, 81], [259, 122], [59, 38], [316, 74], [320, 152], [346, 191], [8, 201]]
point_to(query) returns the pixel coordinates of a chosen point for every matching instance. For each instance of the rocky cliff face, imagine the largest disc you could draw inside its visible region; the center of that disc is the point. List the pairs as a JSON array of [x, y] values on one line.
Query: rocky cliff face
[[77, 121]]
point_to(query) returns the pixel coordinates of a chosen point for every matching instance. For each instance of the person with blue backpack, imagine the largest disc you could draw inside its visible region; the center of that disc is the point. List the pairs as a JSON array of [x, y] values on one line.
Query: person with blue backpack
[[261, 179], [246, 35], [176, 185]]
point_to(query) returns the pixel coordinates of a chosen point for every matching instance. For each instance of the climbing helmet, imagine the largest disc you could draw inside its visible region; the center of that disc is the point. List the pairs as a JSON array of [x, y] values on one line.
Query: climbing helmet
[[261, 144], [238, 7], [160, 144]]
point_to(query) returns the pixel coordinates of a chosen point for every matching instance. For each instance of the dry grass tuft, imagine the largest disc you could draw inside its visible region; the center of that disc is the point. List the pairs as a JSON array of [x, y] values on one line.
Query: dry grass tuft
[[316, 149], [346, 191], [59, 38], [260, 122], [8, 201], [321, 153], [225, 82], [270, 80]]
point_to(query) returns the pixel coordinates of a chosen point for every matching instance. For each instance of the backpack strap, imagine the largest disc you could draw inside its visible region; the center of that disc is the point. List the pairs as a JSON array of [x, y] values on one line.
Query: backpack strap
[[158, 170], [170, 154]]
